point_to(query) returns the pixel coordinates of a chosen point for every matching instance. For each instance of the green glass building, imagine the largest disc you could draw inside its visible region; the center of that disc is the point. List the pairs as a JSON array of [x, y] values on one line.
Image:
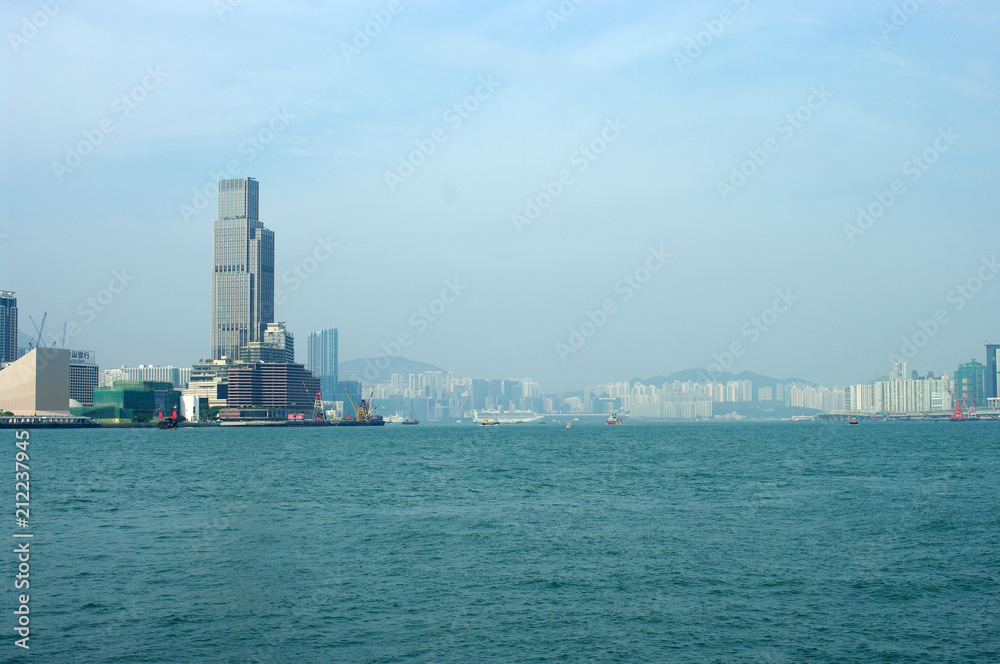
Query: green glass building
[[970, 383], [134, 400]]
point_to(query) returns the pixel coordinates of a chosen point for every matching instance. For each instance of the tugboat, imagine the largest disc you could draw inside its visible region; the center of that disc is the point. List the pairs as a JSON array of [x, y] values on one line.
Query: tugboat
[[168, 423], [614, 419]]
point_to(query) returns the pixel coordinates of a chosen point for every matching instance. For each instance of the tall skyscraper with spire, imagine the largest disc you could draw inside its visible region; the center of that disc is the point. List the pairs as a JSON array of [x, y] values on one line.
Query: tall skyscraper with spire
[[242, 270]]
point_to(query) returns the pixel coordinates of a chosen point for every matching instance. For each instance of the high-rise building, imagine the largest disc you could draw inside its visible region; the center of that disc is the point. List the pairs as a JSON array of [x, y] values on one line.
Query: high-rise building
[[992, 370], [242, 270], [83, 376], [8, 326], [970, 383], [278, 345], [322, 352], [321, 360], [898, 370]]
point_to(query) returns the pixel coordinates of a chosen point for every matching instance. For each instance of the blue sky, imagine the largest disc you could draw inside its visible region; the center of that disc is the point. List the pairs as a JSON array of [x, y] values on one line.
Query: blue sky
[[201, 81]]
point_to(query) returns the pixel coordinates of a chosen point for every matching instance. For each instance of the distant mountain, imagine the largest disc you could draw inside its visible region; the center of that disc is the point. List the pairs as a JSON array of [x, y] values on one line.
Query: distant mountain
[[380, 369], [700, 376]]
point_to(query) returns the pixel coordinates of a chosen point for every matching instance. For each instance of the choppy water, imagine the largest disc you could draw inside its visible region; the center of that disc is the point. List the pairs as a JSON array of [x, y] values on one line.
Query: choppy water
[[784, 542]]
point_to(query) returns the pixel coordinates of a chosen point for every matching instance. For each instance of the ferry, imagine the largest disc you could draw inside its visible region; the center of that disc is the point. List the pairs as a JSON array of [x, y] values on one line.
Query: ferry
[[507, 417]]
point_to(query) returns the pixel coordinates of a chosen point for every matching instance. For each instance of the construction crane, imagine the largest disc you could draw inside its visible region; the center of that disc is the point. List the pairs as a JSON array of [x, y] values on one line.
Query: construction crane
[[351, 401], [37, 343]]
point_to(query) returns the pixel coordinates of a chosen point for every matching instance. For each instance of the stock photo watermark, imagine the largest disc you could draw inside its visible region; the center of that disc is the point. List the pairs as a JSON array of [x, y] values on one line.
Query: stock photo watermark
[[31, 25], [551, 190], [714, 27], [914, 168], [901, 14], [959, 297], [122, 107], [786, 127], [454, 117], [22, 538], [363, 35], [626, 288], [205, 196], [223, 7], [295, 276], [420, 321], [752, 331], [563, 11]]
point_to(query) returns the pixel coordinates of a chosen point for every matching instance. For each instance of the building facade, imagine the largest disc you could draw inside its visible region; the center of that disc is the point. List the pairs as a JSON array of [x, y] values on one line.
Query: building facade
[[37, 384], [321, 356], [278, 345], [8, 326], [83, 376], [179, 376], [209, 381], [242, 270], [899, 396], [992, 371], [136, 400], [970, 383], [265, 390]]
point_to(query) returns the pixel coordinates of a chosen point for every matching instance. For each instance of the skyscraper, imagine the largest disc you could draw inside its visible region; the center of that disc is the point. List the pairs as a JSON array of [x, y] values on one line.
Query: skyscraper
[[8, 326], [321, 359], [242, 270], [992, 370]]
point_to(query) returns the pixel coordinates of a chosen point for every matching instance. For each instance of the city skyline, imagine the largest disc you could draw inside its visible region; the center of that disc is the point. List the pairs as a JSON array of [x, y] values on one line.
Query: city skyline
[[619, 192]]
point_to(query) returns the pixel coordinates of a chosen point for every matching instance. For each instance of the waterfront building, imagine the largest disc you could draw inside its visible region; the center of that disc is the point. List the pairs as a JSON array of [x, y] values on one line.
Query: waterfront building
[[269, 390], [37, 383], [242, 270], [666, 403], [970, 383], [209, 381], [992, 371], [83, 376], [859, 398], [8, 327], [899, 396], [135, 400]]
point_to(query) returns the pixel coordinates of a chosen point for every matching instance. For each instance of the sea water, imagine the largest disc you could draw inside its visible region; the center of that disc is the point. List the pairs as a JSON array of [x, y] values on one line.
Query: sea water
[[730, 542]]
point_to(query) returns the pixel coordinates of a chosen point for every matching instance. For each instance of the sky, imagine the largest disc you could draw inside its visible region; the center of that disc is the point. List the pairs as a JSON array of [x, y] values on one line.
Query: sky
[[578, 192]]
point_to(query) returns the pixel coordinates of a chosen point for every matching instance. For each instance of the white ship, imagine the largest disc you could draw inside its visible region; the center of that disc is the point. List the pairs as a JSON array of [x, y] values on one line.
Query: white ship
[[507, 417]]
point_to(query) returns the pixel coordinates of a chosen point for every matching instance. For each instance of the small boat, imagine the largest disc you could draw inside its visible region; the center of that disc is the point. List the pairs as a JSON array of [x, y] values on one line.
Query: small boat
[[853, 420], [568, 426], [614, 419], [487, 423]]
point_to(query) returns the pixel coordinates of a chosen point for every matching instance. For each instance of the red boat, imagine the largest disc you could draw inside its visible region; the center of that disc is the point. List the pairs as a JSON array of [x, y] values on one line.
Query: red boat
[[614, 419]]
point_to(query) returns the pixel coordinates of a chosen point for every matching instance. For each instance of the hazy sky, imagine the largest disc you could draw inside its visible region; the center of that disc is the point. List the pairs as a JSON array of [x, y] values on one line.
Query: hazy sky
[[413, 147]]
